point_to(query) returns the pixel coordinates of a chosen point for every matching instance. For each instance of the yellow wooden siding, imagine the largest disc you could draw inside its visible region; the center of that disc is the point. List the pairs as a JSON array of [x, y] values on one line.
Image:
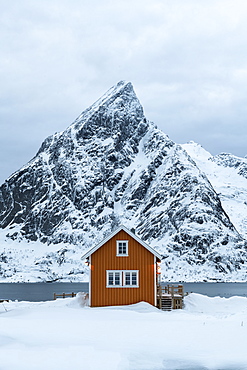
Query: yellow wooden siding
[[139, 258]]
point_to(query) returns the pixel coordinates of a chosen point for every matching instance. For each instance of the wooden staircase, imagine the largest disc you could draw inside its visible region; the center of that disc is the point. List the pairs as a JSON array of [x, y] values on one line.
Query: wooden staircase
[[166, 303], [170, 297]]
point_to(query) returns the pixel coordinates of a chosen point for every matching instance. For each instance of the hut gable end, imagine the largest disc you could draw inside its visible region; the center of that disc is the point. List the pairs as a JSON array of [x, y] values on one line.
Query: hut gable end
[[122, 271]]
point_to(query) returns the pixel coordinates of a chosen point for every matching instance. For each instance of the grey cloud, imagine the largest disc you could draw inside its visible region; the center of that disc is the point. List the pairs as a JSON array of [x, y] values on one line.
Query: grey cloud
[[187, 61]]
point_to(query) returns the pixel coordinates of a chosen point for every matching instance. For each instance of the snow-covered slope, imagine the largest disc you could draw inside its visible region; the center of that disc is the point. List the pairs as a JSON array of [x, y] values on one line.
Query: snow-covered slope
[[110, 167], [228, 176]]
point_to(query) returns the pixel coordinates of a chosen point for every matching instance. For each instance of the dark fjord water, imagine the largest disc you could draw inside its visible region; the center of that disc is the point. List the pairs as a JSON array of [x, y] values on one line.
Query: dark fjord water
[[44, 291], [36, 292]]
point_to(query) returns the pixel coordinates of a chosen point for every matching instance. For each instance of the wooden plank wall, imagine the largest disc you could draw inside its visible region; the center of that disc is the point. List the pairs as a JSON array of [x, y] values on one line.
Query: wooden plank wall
[[139, 258]]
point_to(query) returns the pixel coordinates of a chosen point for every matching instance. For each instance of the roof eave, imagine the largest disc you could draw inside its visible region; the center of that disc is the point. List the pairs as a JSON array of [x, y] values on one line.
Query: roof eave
[[134, 236]]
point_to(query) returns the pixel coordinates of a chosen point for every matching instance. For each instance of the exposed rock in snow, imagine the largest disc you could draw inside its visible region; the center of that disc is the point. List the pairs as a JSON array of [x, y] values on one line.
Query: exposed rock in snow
[[112, 166]]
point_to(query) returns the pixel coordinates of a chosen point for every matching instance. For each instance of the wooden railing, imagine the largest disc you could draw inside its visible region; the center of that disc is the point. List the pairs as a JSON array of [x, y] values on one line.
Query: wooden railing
[[63, 295], [170, 289]]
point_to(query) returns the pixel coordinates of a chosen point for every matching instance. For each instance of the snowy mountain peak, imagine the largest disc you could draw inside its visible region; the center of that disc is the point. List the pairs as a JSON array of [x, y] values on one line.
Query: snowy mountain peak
[[195, 150], [110, 167], [115, 122], [118, 109]]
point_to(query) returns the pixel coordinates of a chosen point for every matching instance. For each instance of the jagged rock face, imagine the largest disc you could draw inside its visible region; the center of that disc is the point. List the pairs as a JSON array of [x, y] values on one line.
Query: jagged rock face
[[69, 182], [111, 167]]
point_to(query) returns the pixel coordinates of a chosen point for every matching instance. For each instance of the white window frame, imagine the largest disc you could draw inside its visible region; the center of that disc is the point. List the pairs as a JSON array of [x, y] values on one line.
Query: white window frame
[[125, 272], [114, 272], [122, 274], [127, 248]]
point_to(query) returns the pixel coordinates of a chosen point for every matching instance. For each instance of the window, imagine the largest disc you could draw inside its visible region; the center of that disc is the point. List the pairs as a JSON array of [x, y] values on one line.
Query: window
[[122, 247], [130, 278], [114, 278], [122, 279]]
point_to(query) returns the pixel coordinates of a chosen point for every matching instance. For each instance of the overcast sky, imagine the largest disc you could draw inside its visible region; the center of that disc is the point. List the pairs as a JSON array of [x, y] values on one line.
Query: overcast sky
[[186, 59]]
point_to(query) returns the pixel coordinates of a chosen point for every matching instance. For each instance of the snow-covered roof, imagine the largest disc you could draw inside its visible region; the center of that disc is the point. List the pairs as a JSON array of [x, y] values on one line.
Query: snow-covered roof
[[94, 249]]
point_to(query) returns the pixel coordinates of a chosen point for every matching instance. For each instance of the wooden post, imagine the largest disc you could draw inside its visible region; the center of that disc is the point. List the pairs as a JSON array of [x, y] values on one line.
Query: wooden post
[[159, 294], [181, 290], [54, 296], [172, 296], [172, 290]]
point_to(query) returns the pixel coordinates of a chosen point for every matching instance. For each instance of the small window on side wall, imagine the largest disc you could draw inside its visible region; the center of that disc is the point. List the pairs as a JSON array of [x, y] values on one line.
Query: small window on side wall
[[122, 247]]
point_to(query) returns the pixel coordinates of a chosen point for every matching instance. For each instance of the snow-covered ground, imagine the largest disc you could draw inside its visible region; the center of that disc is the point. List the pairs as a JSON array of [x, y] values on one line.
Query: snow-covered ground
[[209, 333], [24, 261]]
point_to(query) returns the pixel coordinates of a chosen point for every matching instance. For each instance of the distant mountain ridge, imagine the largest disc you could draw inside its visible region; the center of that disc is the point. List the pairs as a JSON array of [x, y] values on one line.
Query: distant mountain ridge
[[112, 166], [229, 160]]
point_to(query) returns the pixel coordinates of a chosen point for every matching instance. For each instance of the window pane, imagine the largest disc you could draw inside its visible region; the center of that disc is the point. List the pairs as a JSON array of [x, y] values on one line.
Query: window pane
[[117, 278], [134, 278], [127, 278], [122, 248], [110, 278]]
